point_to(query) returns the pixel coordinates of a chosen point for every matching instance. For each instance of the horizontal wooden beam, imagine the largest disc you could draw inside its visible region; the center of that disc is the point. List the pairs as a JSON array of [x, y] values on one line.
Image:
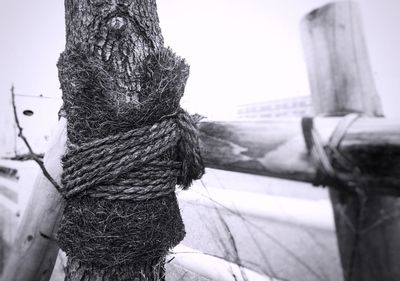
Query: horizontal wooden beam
[[277, 148]]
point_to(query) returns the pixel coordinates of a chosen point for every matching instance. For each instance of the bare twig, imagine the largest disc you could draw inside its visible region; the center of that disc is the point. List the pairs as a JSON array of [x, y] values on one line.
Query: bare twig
[[33, 155]]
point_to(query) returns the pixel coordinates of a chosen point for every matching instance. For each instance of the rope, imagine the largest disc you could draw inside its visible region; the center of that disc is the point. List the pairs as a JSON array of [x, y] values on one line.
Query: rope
[[94, 169], [123, 162], [330, 162]]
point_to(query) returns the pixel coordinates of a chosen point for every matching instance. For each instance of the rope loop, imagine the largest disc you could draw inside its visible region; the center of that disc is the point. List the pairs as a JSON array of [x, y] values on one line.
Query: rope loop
[[333, 168]]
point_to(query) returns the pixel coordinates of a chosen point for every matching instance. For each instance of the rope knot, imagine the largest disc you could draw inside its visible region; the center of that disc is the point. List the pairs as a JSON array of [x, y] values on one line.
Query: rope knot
[[333, 168]]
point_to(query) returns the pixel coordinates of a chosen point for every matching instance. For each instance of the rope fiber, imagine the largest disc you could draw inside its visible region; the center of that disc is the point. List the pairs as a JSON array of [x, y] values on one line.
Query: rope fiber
[[95, 168], [123, 161]]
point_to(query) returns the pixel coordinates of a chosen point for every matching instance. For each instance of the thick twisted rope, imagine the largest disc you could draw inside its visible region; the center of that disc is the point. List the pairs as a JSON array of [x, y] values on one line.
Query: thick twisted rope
[[129, 166]]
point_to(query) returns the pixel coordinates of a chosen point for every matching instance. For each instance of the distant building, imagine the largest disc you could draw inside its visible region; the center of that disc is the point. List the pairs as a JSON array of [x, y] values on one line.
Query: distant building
[[290, 107]]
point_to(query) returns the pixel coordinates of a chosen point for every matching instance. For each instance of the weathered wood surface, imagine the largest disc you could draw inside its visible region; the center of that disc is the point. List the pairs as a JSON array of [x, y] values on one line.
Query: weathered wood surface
[[277, 148], [256, 147], [34, 251], [333, 36], [367, 225]]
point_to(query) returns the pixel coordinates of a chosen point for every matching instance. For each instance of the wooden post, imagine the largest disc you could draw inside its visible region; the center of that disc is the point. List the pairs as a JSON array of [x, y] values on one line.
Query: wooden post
[[341, 82], [35, 250]]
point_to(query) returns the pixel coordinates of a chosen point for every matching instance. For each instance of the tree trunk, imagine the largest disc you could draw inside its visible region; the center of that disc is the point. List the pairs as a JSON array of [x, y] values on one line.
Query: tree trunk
[[108, 45], [121, 33]]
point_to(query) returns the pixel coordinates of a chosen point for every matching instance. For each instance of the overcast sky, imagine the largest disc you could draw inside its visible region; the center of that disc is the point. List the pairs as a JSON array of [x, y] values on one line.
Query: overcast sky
[[240, 51]]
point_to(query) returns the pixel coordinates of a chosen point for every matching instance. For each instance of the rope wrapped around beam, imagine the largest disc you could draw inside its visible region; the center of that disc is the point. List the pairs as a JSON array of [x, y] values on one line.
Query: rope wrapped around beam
[[122, 164], [333, 168]]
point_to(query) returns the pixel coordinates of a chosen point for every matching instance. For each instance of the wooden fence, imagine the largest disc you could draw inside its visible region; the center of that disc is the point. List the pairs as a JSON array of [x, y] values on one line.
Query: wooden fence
[[364, 197]]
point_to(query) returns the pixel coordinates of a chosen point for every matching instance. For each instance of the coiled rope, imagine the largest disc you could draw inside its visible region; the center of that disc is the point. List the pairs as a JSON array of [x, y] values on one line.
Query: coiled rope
[[94, 169]]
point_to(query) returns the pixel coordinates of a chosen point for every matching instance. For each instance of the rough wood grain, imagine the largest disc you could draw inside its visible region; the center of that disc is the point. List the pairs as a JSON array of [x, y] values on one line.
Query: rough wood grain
[[367, 225], [120, 34], [264, 148], [333, 37], [257, 148], [34, 251]]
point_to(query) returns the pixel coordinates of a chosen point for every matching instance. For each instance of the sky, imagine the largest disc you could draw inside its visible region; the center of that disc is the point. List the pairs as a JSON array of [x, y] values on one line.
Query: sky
[[240, 51]]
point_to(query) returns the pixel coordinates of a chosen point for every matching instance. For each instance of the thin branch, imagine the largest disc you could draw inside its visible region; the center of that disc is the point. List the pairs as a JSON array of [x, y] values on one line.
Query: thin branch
[[33, 155]]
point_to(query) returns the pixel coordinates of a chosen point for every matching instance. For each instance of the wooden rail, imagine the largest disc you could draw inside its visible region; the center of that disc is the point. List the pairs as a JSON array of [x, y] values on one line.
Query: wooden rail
[[277, 148]]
